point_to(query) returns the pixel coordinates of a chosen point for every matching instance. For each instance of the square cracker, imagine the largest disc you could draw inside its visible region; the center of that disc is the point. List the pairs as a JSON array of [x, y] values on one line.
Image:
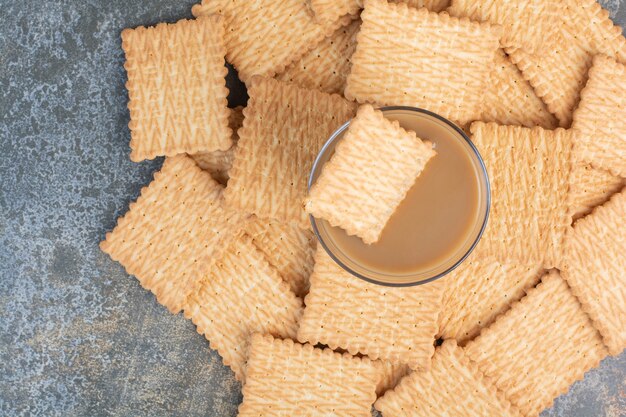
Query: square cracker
[[217, 163], [331, 10], [453, 386], [285, 379], [595, 268], [478, 291], [170, 236], [590, 187], [241, 295], [600, 119], [176, 87], [326, 66], [376, 157], [284, 128], [264, 36], [538, 348], [288, 248], [529, 190], [510, 100], [552, 42], [343, 311], [403, 53]]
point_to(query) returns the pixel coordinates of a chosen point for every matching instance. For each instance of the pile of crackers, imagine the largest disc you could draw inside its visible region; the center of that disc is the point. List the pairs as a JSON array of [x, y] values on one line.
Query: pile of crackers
[[221, 233]]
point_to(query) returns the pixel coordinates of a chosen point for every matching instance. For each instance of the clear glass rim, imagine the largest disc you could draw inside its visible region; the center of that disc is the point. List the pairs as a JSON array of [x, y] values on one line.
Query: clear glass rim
[[483, 170]]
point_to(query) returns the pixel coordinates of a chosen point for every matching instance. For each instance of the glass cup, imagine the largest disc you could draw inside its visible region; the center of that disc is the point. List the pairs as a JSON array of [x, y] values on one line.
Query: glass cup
[[433, 125]]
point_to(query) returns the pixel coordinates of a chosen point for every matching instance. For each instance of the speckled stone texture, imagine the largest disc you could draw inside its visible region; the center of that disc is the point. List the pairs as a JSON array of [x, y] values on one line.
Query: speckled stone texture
[[78, 337]]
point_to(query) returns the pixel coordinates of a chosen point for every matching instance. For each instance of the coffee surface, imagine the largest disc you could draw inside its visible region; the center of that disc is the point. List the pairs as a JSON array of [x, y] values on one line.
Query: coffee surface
[[436, 218]]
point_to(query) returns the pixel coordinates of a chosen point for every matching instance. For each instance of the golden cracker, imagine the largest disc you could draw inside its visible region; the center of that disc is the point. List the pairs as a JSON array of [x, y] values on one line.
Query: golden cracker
[[285, 378], [241, 295], [594, 269], [478, 291], [217, 163], [265, 36], [453, 386], [326, 66], [600, 119], [552, 42], [343, 311], [176, 87], [389, 375], [403, 53], [538, 348], [288, 248], [510, 100], [331, 10], [376, 157], [284, 128], [529, 189], [171, 235], [590, 187]]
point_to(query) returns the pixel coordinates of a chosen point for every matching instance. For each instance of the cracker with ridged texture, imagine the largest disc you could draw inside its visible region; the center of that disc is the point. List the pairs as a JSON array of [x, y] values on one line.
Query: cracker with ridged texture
[[595, 268], [171, 235], [326, 66], [510, 100], [552, 42], [343, 311], [478, 291], [285, 379], [539, 347], [283, 130], [242, 294], [217, 163], [265, 36], [600, 119], [288, 248], [389, 375], [176, 88], [331, 10], [375, 157], [403, 53], [590, 187], [454, 386], [529, 174]]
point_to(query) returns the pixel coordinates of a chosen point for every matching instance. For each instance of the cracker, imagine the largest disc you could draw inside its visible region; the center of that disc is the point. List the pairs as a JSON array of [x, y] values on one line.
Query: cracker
[[284, 128], [389, 375], [510, 100], [176, 87], [326, 66], [343, 311], [217, 163], [594, 269], [241, 295], [170, 236], [600, 119], [372, 169], [289, 379], [590, 187], [538, 348], [529, 190], [552, 42], [331, 10], [287, 248], [453, 387], [478, 291], [403, 54], [264, 36]]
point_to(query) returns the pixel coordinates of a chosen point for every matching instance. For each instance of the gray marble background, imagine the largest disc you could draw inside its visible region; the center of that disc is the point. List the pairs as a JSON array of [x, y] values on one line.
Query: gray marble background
[[78, 337]]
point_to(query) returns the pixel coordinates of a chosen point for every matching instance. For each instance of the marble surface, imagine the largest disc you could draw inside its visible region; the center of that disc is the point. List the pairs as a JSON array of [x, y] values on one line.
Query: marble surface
[[78, 337]]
